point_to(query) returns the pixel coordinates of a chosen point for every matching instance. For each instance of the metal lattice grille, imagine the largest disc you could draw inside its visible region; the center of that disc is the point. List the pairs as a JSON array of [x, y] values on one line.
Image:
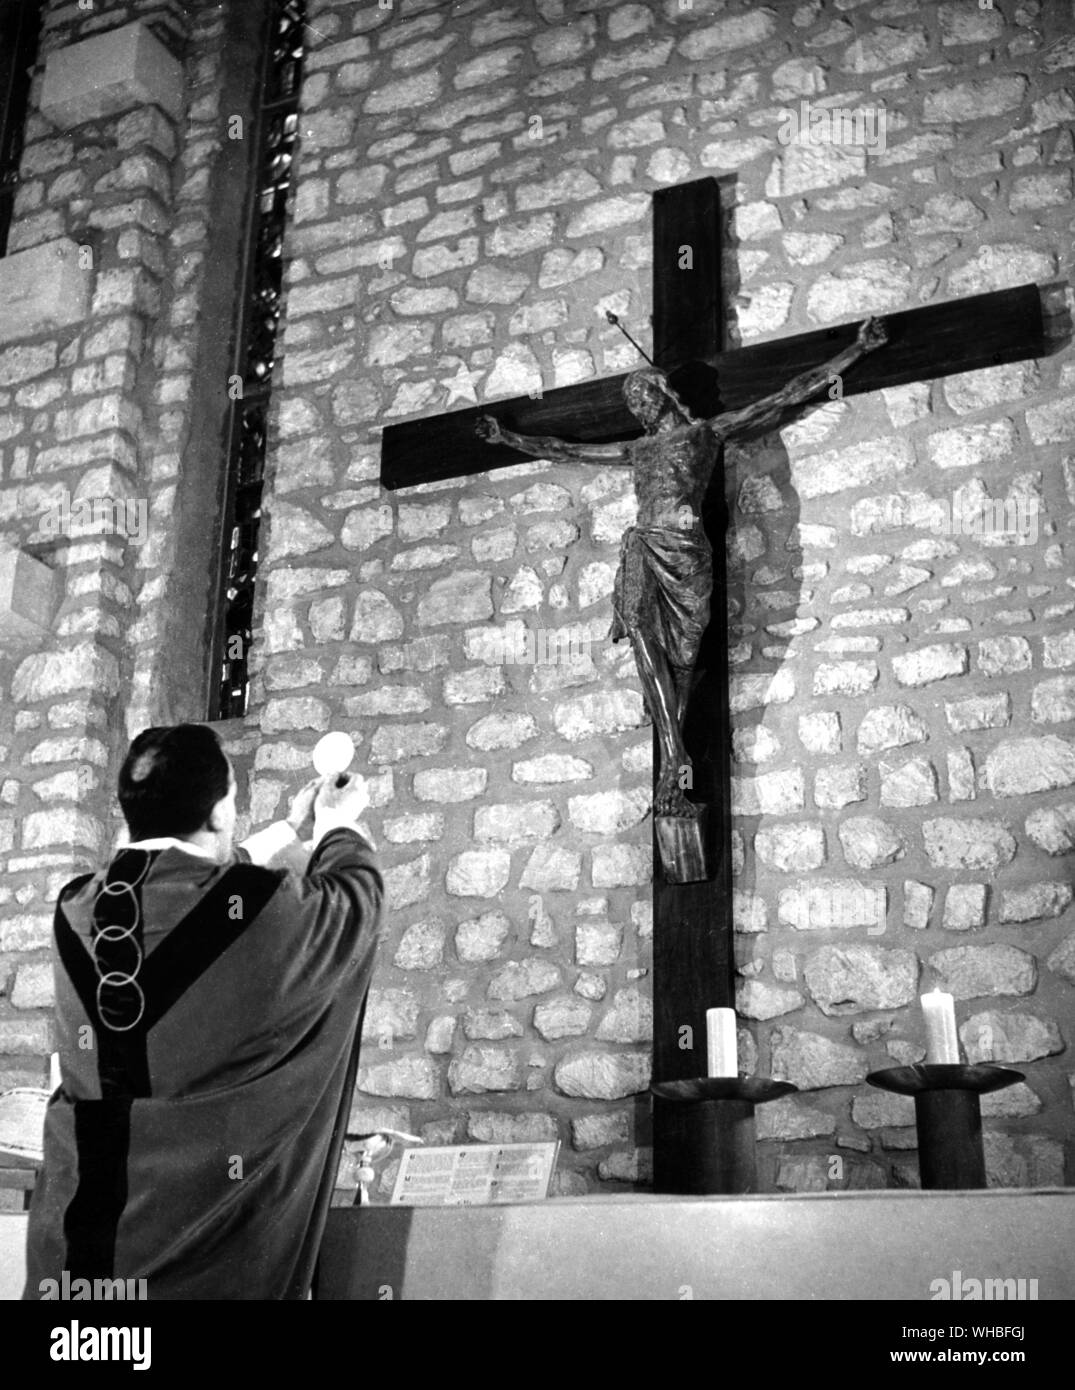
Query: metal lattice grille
[[277, 128], [20, 25]]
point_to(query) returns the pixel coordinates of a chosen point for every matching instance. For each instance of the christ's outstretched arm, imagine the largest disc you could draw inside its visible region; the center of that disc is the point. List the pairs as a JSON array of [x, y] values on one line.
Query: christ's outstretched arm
[[766, 412], [548, 447]]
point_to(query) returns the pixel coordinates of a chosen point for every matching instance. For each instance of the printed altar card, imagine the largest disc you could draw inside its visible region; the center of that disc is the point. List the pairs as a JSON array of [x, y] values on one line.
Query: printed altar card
[[475, 1174], [22, 1124]]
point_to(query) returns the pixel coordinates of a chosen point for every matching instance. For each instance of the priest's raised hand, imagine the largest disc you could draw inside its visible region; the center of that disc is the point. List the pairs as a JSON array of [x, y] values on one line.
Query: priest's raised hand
[[341, 800]]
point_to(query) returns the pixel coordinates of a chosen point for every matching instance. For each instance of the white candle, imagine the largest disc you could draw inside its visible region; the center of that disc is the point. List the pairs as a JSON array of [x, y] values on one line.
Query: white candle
[[721, 1053], [942, 1040]]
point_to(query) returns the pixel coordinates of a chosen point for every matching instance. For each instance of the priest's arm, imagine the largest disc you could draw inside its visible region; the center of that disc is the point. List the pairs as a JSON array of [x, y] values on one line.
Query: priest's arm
[[549, 447], [336, 885], [768, 411]]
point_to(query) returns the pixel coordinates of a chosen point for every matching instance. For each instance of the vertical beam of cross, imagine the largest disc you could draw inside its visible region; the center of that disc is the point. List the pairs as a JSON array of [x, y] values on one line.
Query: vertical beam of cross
[[692, 928]]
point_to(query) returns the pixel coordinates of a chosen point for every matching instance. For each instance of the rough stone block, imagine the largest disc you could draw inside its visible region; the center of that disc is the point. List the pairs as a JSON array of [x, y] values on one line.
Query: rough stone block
[[42, 288], [750, 913], [520, 979], [407, 883], [820, 732], [1062, 962], [26, 1037], [598, 943], [917, 904], [769, 793], [1035, 901], [596, 1131], [967, 844], [550, 868], [869, 842], [629, 1020], [390, 1014], [513, 825], [972, 101], [811, 1061], [481, 1069], [603, 1075], [414, 1078], [421, 946], [478, 873], [964, 907], [62, 826], [930, 664], [1053, 828], [28, 595], [845, 677], [110, 73], [491, 1025], [970, 972], [1019, 766], [791, 1119], [481, 938], [854, 979], [610, 812], [33, 986], [621, 866], [821, 905], [756, 999], [791, 848], [1009, 1037], [562, 1018], [1053, 701], [979, 712], [911, 783]]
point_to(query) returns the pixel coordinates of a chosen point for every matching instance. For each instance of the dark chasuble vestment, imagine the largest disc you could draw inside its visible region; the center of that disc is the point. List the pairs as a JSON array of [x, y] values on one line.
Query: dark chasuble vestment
[[208, 1017]]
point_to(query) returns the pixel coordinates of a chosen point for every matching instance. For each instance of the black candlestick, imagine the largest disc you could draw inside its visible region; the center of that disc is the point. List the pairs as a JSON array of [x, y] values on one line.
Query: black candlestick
[[711, 1145], [948, 1116]]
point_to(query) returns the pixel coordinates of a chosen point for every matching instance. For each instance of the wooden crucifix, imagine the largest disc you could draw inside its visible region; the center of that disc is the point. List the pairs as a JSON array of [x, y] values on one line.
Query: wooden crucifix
[[692, 929]]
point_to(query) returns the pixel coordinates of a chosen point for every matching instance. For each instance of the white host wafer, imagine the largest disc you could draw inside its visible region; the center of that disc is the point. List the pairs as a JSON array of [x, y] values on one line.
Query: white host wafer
[[333, 754]]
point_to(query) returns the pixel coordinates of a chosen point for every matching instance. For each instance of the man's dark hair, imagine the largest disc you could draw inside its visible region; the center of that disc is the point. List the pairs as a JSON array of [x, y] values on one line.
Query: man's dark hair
[[171, 779]]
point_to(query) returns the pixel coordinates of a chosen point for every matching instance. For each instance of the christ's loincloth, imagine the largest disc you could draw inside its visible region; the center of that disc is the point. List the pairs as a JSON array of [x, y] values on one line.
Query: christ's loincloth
[[663, 585]]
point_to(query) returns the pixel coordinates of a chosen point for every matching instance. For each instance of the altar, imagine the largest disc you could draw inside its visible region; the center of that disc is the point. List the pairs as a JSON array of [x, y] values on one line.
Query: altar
[[845, 1245], [920, 1246]]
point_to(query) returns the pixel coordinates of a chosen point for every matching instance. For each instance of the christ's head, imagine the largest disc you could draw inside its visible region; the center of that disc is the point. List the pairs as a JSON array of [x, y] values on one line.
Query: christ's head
[[178, 782], [651, 400]]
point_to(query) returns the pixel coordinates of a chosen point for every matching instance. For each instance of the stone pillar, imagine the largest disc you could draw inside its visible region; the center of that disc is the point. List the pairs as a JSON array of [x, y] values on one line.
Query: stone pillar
[[79, 361]]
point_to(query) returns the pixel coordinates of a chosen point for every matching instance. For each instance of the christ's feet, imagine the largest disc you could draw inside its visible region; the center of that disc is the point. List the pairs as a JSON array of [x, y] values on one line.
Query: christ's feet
[[669, 801]]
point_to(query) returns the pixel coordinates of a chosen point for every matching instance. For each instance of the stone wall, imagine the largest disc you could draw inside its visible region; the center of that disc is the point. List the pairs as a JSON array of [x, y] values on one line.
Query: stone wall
[[473, 190]]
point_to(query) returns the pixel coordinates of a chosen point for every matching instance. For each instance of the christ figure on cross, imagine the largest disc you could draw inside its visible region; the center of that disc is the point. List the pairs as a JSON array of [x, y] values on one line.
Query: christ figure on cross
[[665, 575]]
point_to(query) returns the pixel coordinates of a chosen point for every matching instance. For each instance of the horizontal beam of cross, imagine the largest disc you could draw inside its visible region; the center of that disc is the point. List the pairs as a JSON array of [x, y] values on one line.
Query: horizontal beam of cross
[[960, 335]]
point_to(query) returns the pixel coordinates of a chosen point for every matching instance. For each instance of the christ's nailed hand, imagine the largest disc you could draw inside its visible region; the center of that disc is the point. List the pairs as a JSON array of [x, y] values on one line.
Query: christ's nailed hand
[[350, 799], [872, 333], [488, 429]]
